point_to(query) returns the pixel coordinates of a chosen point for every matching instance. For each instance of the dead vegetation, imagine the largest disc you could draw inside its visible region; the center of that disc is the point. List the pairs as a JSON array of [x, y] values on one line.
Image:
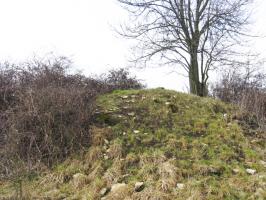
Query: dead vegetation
[[46, 113]]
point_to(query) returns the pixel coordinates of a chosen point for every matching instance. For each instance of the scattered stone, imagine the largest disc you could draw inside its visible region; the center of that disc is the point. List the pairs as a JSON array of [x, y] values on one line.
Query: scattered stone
[[79, 180], [225, 115], [262, 177], [133, 96], [125, 175], [139, 186], [203, 144], [105, 157], [146, 133], [131, 114], [167, 103], [124, 133], [251, 171], [106, 141], [180, 186], [117, 187], [263, 163], [235, 171], [124, 97], [119, 116], [104, 191], [136, 131]]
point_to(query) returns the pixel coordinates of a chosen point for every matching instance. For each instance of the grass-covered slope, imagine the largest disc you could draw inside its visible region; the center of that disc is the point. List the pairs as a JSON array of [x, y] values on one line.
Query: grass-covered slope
[[180, 146]]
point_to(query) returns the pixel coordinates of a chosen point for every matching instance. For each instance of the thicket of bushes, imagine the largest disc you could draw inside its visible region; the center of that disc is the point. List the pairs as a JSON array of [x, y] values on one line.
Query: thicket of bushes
[[46, 113], [245, 88]]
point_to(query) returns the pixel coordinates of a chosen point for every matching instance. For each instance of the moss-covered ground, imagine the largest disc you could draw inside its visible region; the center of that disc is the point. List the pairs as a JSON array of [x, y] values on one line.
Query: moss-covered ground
[[164, 139]]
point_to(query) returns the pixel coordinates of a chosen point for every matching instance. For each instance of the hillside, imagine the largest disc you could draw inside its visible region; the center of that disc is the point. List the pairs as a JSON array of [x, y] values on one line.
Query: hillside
[[158, 145]]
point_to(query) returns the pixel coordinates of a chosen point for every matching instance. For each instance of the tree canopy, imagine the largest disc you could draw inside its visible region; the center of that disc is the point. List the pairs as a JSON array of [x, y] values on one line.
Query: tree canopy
[[194, 34]]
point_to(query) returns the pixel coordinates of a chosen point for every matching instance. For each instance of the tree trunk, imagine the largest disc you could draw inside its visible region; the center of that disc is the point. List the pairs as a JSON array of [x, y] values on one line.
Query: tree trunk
[[194, 82]]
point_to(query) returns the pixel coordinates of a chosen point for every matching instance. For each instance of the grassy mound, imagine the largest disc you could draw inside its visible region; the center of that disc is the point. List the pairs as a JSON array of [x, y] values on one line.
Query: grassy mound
[[180, 146]]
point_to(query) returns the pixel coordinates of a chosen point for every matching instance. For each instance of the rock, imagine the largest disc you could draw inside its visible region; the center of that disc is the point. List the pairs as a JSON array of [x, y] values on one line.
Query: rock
[[124, 133], [105, 157], [235, 171], [79, 180], [131, 114], [251, 171], [136, 131], [225, 116], [139, 186], [104, 191], [180, 186], [146, 133], [106, 141], [118, 191], [117, 187], [167, 103], [124, 97], [263, 163]]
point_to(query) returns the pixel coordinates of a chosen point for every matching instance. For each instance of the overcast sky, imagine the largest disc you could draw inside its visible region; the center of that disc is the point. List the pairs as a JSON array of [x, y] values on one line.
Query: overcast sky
[[82, 30]]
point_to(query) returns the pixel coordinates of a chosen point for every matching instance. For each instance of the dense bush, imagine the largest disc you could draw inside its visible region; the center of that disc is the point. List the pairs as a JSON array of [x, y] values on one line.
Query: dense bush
[[46, 113], [247, 89]]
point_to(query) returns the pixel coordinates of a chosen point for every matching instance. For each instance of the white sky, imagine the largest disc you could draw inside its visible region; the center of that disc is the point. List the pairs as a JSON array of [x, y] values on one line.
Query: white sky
[[81, 30]]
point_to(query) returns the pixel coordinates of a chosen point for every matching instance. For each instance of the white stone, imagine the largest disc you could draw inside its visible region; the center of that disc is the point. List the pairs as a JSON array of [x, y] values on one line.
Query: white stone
[[139, 186], [236, 171], [136, 131], [117, 187], [180, 186], [263, 163], [131, 114], [251, 171], [104, 191]]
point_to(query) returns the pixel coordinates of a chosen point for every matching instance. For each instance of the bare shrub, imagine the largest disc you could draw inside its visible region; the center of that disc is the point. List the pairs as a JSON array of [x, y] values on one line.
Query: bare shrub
[[47, 113], [121, 79], [245, 88]]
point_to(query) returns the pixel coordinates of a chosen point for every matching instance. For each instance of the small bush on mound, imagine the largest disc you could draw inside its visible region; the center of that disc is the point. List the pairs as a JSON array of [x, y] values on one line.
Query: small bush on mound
[[46, 113]]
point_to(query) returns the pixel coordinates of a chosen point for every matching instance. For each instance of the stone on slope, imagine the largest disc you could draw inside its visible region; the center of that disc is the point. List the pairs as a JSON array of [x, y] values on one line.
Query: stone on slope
[[139, 186]]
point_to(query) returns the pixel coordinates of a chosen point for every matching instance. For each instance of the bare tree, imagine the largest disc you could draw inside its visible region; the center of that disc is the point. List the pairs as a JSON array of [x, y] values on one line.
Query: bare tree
[[194, 34]]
